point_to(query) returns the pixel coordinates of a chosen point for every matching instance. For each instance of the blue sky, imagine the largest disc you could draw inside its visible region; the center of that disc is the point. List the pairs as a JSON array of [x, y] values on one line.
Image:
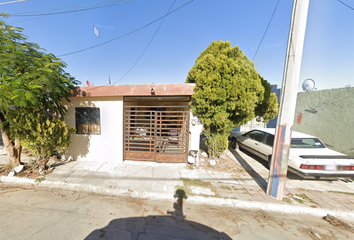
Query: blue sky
[[184, 34]]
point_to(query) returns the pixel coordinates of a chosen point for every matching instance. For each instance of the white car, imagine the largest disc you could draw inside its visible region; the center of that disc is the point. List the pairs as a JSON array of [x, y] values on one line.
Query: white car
[[309, 157]]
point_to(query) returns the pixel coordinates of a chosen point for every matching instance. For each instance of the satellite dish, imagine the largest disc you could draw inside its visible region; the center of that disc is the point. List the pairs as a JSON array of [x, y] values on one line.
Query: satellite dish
[[88, 84], [308, 85]]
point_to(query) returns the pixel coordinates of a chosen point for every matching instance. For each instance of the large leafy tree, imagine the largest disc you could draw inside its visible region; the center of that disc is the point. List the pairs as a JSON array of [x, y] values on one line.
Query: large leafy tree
[[229, 92], [31, 81]]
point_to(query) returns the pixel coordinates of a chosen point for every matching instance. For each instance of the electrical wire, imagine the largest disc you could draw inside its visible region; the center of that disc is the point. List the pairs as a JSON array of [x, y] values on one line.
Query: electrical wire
[[346, 4], [77, 6], [265, 32], [15, 1], [147, 44], [64, 12], [126, 34]]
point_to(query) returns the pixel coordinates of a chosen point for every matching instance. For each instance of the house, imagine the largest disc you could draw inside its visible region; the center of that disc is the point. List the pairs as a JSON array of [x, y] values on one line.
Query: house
[[132, 122]]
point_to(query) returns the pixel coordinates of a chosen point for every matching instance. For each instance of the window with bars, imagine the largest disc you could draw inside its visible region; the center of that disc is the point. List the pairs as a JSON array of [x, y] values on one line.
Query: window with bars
[[88, 120]]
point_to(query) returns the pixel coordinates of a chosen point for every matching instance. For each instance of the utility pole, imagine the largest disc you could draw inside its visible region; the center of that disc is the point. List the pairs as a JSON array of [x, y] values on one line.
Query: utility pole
[[279, 163]]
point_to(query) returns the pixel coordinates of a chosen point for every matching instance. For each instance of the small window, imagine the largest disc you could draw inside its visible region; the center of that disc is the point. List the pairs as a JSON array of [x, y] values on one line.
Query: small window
[[269, 140], [87, 120], [256, 135]]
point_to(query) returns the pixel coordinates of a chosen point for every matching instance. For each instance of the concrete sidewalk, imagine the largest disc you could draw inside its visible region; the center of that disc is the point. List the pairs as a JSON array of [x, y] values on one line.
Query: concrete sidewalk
[[160, 181]]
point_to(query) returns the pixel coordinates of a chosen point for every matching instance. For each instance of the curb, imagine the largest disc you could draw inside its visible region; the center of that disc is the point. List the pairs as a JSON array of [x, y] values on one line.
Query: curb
[[235, 203]]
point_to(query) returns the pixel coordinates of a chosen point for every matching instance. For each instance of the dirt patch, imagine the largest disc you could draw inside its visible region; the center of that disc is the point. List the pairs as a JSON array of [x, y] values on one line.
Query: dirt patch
[[338, 223], [30, 170], [315, 235], [222, 164]]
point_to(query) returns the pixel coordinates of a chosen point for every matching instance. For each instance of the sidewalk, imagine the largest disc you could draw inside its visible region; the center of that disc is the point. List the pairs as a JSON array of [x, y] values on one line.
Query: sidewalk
[[236, 187]]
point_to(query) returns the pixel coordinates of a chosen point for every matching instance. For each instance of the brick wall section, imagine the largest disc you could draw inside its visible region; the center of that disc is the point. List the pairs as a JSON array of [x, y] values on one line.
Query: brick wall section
[[329, 115]]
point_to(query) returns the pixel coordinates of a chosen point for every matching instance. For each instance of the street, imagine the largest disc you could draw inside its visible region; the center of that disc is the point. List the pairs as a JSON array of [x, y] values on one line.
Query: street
[[37, 213]]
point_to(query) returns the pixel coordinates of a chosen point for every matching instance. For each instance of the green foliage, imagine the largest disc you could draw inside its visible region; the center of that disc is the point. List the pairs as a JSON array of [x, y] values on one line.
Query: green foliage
[[268, 108], [41, 133], [217, 142], [228, 92], [33, 85], [29, 75]]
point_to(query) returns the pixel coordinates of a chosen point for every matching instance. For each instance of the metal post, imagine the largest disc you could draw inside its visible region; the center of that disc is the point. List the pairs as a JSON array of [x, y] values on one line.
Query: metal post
[[280, 156]]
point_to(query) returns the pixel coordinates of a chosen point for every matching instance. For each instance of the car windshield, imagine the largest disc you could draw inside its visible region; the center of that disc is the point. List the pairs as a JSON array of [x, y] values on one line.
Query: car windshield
[[306, 143]]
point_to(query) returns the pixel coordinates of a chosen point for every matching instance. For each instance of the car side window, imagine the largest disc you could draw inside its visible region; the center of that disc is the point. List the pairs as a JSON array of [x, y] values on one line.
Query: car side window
[[256, 135], [269, 140]]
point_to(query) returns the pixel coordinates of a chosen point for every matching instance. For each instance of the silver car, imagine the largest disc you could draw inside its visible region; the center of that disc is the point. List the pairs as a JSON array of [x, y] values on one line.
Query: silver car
[[308, 158]]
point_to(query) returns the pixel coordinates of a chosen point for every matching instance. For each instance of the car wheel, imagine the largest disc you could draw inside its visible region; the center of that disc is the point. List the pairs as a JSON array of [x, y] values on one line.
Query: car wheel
[[234, 144]]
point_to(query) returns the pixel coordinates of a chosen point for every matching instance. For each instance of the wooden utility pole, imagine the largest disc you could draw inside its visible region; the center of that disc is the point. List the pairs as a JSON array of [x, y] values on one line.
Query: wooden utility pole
[[279, 163]]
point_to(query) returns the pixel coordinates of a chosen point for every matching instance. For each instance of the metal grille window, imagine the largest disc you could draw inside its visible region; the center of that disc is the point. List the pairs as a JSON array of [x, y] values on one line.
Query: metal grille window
[[87, 120]]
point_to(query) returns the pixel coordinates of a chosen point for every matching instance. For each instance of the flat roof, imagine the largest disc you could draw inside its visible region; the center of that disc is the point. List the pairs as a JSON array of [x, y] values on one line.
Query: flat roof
[[179, 89]]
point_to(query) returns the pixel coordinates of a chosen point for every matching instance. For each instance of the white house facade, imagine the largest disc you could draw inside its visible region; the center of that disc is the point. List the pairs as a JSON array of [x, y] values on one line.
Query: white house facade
[[132, 122]]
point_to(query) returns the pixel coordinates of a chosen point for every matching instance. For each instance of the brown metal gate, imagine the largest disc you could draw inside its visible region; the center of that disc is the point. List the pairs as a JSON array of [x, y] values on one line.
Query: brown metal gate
[[156, 134]]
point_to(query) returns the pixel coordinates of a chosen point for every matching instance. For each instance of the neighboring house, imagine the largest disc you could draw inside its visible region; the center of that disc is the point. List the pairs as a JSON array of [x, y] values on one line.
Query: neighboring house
[[329, 115], [132, 122], [251, 125], [326, 114]]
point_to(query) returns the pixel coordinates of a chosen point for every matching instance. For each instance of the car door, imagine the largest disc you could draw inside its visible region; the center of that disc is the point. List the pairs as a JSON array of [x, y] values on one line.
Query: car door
[[252, 141], [266, 147]]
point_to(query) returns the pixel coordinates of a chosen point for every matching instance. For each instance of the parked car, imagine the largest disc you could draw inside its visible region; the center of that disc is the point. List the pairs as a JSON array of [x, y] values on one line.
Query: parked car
[[308, 158]]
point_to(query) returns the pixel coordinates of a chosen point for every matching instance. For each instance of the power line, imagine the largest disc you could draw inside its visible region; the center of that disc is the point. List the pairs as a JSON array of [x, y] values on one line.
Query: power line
[[82, 5], [64, 12], [147, 44], [126, 34], [276, 6], [15, 1], [346, 4]]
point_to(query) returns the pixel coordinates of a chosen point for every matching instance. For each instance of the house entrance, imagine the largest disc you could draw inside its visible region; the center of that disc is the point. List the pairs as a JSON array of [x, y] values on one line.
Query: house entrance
[[156, 128]]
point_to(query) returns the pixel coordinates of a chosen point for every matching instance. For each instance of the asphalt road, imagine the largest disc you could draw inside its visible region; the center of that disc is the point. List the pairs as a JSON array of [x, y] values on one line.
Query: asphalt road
[[36, 213]]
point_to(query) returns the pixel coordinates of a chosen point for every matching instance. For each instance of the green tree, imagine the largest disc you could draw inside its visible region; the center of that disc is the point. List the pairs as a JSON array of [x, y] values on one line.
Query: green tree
[[42, 133], [30, 80], [269, 106], [229, 92]]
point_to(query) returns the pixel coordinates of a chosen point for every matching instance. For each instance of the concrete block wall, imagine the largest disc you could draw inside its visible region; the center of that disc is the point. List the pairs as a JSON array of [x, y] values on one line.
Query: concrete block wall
[[329, 115]]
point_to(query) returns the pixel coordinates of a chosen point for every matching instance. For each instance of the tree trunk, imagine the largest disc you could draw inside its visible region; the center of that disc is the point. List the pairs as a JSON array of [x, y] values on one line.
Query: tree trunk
[[42, 164], [13, 149]]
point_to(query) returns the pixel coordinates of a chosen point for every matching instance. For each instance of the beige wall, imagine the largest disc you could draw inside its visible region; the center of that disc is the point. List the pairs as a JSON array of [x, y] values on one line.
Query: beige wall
[[106, 147]]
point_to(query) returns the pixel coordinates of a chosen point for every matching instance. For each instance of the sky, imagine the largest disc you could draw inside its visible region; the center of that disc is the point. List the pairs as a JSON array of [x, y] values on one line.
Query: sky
[[138, 45]]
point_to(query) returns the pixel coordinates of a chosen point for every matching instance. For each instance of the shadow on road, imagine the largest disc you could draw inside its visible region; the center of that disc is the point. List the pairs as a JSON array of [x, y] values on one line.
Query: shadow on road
[[256, 177], [156, 227]]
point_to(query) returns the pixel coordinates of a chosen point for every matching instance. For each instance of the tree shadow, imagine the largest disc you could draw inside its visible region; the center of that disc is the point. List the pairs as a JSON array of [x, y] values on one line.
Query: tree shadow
[[256, 177], [157, 227], [80, 143]]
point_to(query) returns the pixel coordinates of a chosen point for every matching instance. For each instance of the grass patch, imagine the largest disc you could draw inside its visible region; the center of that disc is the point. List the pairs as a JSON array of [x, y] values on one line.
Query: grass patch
[[39, 179], [226, 187], [5, 168], [299, 200], [303, 197], [345, 193], [286, 199], [188, 183], [195, 182]]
